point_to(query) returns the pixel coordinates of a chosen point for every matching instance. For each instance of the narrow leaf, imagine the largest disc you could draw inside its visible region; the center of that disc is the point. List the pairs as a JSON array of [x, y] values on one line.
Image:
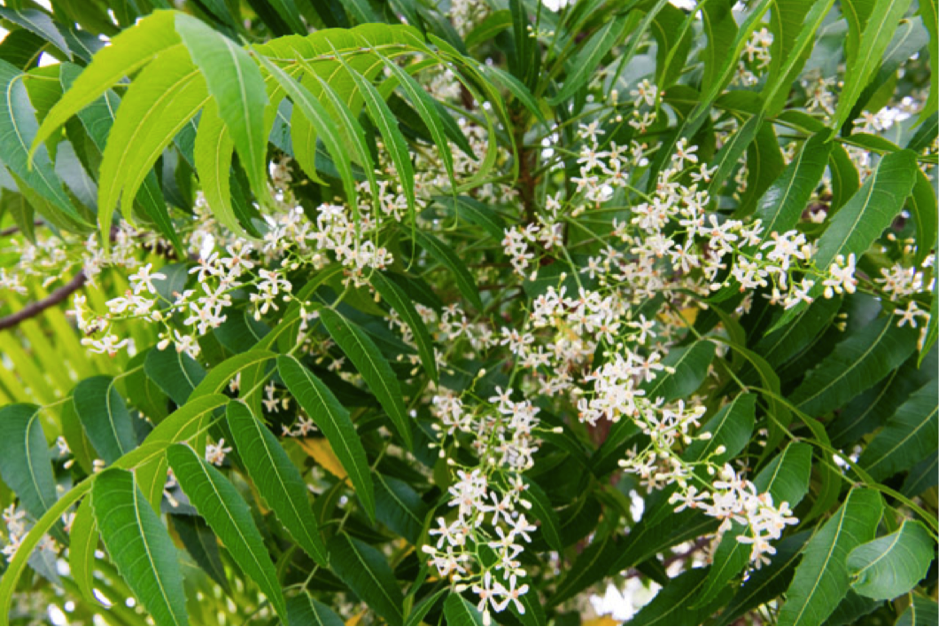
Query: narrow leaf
[[276, 478], [140, 546], [822, 579], [104, 415], [366, 571], [229, 516], [377, 373], [401, 303], [24, 458]]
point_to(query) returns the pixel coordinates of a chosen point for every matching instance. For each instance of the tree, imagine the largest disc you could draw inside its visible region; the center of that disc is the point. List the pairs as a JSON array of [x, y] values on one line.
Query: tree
[[398, 310]]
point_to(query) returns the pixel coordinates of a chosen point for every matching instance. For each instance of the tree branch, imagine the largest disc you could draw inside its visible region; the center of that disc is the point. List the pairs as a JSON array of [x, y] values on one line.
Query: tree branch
[[34, 309]]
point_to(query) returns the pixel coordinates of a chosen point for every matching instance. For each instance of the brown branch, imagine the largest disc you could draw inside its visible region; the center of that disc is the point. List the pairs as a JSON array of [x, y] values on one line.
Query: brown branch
[[10, 230], [34, 309]]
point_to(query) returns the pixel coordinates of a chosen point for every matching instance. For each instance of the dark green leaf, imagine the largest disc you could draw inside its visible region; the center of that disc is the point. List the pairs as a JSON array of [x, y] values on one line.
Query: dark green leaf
[[276, 478], [140, 546], [105, 417], [227, 513], [366, 571], [401, 303], [822, 579], [24, 458], [908, 437], [377, 373], [303, 610], [892, 565]]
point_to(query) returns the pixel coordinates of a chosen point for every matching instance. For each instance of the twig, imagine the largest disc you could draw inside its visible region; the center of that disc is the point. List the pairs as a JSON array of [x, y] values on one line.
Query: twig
[[10, 230], [39, 306]]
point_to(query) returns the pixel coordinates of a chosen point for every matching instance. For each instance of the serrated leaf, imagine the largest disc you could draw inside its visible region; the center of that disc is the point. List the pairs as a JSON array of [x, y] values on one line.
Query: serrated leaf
[[174, 372], [83, 541], [445, 256], [401, 303], [24, 458], [132, 49], [399, 507], [104, 415], [854, 365], [160, 101], [202, 544], [785, 68], [366, 571], [675, 603], [333, 421], [922, 205], [691, 366], [878, 31], [368, 360], [459, 611], [731, 152], [544, 513], [821, 580], [303, 610], [475, 212], [213, 154], [922, 476], [276, 478], [786, 478], [37, 179], [237, 87], [892, 565], [220, 376], [140, 546], [922, 612], [590, 566], [591, 54], [229, 516], [781, 206], [908, 437], [930, 14], [307, 104]]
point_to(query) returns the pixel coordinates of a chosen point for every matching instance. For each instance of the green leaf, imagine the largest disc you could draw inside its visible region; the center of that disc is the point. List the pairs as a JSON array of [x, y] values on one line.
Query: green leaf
[[140, 546], [923, 476], [930, 14], [459, 611], [333, 420], [387, 125], [728, 157], [691, 367], [730, 427], [675, 603], [854, 365], [892, 565], [445, 256], [220, 376], [377, 373], [303, 610], [319, 117], [213, 154], [673, 35], [767, 583], [922, 611], [546, 515], [786, 66], [426, 108], [176, 373], [276, 478], [159, 103], [83, 542], [229, 516], [781, 206], [822, 579], [41, 24], [202, 544], [764, 164], [720, 28], [786, 478], [105, 417], [925, 215], [590, 566], [129, 51], [237, 87], [24, 458], [591, 54], [401, 303], [366, 571], [908, 437], [399, 507], [37, 180], [878, 31]]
